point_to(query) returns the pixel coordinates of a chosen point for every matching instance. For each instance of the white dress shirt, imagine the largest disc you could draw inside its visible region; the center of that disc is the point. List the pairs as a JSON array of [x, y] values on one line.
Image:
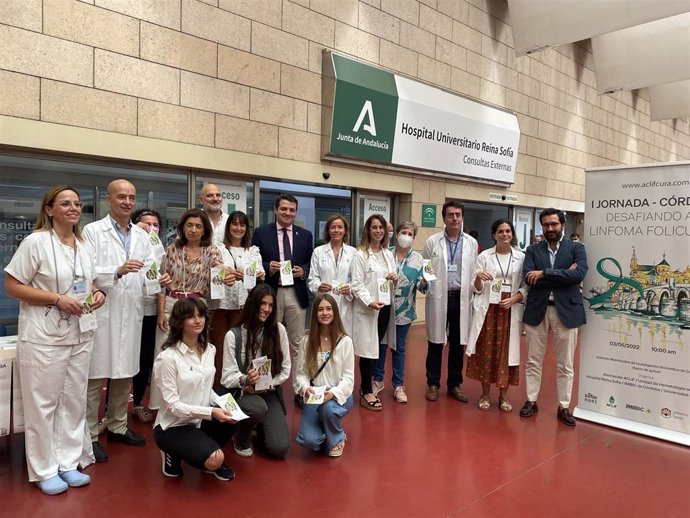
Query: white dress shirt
[[232, 372], [185, 382]]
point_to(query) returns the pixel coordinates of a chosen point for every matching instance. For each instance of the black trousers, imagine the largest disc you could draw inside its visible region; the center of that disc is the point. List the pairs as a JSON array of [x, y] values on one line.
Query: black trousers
[[148, 342], [434, 355], [366, 365], [191, 444]]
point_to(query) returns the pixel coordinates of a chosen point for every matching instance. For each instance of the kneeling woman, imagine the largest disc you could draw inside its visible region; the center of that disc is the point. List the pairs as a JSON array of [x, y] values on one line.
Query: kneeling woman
[[259, 334], [187, 427], [326, 359]]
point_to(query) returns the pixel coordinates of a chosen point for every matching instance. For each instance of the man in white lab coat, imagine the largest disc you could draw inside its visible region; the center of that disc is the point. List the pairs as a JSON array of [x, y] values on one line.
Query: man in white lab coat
[[121, 250], [453, 256]]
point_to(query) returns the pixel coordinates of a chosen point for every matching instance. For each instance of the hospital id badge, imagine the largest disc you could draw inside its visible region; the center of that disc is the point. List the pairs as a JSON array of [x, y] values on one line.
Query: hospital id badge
[[79, 288], [505, 288], [87, 322], [452, 267], [495, 291]]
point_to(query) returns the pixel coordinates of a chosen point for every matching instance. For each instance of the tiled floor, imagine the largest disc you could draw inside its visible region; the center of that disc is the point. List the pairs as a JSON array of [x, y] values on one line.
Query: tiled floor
[[443, 459]]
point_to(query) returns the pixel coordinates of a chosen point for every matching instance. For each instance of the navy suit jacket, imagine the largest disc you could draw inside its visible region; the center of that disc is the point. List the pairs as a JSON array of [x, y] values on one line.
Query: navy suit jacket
[[563, 282], [266, 238]]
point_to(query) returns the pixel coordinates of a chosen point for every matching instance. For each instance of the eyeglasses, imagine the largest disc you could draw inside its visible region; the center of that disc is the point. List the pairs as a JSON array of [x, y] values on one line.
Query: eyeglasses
[[551, 225], [67, 204]]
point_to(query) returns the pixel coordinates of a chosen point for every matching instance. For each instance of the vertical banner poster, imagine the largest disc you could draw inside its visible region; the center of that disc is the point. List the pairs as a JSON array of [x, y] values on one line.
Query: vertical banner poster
[[635, 347]]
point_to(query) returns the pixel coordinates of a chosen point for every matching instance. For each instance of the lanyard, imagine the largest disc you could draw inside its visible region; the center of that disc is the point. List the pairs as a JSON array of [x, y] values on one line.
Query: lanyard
[[401, 264], [74, 265], [338, 257], [500, 266]]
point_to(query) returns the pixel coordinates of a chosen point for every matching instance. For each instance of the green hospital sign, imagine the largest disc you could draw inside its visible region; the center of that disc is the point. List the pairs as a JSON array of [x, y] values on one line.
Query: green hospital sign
[[428, 215]]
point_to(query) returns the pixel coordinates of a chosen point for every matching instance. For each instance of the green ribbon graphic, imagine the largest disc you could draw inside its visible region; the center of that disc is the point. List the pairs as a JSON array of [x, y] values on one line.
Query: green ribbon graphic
[[617, 279]]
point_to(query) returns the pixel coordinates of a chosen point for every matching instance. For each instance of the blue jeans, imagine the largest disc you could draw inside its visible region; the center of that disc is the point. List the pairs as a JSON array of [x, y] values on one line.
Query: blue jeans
[[398, 357], [323, 423]]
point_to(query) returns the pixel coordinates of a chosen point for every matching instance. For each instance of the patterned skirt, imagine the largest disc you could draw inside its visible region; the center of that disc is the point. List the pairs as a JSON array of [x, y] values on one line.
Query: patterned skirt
[[489, 363]]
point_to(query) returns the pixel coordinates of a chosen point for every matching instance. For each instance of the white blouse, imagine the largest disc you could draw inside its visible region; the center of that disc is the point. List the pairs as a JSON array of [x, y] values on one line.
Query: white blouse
[[35, 265], [185, 382], [239, 258], [338, 374], [232, 372]]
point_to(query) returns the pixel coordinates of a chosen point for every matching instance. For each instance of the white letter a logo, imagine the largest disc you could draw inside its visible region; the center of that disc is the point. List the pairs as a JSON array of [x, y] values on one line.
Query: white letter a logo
[[368, 111]]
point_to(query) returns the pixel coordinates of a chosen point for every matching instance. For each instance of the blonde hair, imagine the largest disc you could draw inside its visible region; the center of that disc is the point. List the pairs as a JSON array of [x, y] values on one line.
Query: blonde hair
[[44, 221]]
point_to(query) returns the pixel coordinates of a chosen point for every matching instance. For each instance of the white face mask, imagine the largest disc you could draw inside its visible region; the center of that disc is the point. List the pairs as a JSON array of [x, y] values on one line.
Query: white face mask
[[390, 237], [404, 240]]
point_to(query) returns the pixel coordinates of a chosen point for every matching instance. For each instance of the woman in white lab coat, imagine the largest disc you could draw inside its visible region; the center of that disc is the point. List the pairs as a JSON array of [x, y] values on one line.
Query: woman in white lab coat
[[374, 322], [494, 341], [331, 268], [51, 274]]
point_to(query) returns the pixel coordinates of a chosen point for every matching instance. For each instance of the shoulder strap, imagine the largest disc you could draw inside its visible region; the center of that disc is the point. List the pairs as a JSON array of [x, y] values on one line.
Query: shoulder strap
[[323, 365]]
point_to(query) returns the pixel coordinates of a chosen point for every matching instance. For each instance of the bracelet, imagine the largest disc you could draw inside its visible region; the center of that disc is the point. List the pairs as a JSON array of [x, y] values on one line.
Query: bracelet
[[58, 300], [99, 291]]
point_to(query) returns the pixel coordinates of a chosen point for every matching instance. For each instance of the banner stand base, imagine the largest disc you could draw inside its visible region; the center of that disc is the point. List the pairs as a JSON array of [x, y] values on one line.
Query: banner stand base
[[633, 426]]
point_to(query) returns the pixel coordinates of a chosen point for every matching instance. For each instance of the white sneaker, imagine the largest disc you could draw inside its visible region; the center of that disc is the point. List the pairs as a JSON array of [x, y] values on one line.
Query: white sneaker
[[399, 394], [376, 386], [246, 452]]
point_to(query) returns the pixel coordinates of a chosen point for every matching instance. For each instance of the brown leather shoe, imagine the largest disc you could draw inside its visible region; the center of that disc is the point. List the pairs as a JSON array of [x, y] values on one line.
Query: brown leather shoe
[[458, 394], [432, 393], [529, 409]]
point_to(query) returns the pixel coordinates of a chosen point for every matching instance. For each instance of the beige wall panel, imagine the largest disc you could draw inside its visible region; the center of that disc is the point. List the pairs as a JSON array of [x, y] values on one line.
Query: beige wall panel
[[467, 37], [417, 39], [247, 136], [299, 83], [455, 9], [465, 83], [384, 25], [264, 11], [83, 23], [450, 53], [357, 43], [492, 93], [505, 76], [308, 24], [272, 108], [20, 95], [160, 12], [281, 46], [407, 10], [480, 20], [210, 2], [214, 95], [298, 145], [170, 122], [494, 50], [346, 11], [44, 56], [26, 14], [480, 66], [434, 72], [179, 50], [74, 105], [398, 58], [135, 77], [373, 3], [247, 69], [314, 118], [215, 24], [301, 114], [315, 57], [303, 3], [435, 22]]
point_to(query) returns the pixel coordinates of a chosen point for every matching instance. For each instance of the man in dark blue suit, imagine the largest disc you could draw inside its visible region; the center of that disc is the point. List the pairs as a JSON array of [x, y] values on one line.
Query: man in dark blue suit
[[282, 241], [554, 270]]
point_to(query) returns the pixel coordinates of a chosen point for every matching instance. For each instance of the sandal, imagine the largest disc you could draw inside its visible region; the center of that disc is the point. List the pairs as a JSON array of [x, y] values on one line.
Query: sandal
[[504, 405], [484, 403], [374, 405], [142, 415], [337, 450]]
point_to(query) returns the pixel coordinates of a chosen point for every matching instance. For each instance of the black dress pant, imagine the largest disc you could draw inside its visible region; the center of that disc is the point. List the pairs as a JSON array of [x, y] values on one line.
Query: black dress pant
[[434, 356]]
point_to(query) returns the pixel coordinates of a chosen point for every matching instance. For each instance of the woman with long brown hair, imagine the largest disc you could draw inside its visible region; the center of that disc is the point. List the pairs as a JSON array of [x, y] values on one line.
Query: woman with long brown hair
[[326, 359], [52, 274], [258, 335], [188, 428]]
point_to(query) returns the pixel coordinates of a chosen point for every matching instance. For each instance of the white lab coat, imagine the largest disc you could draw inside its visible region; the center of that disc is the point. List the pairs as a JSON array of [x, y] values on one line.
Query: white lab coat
[[118, 337], [486, 262], [436, 303], [365, 289], [323, 269]]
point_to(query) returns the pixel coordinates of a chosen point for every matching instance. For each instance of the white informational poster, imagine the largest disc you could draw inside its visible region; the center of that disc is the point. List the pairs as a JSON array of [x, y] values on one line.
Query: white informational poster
[[523, 227], [635, 347], [234, 196], [377, 205]]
